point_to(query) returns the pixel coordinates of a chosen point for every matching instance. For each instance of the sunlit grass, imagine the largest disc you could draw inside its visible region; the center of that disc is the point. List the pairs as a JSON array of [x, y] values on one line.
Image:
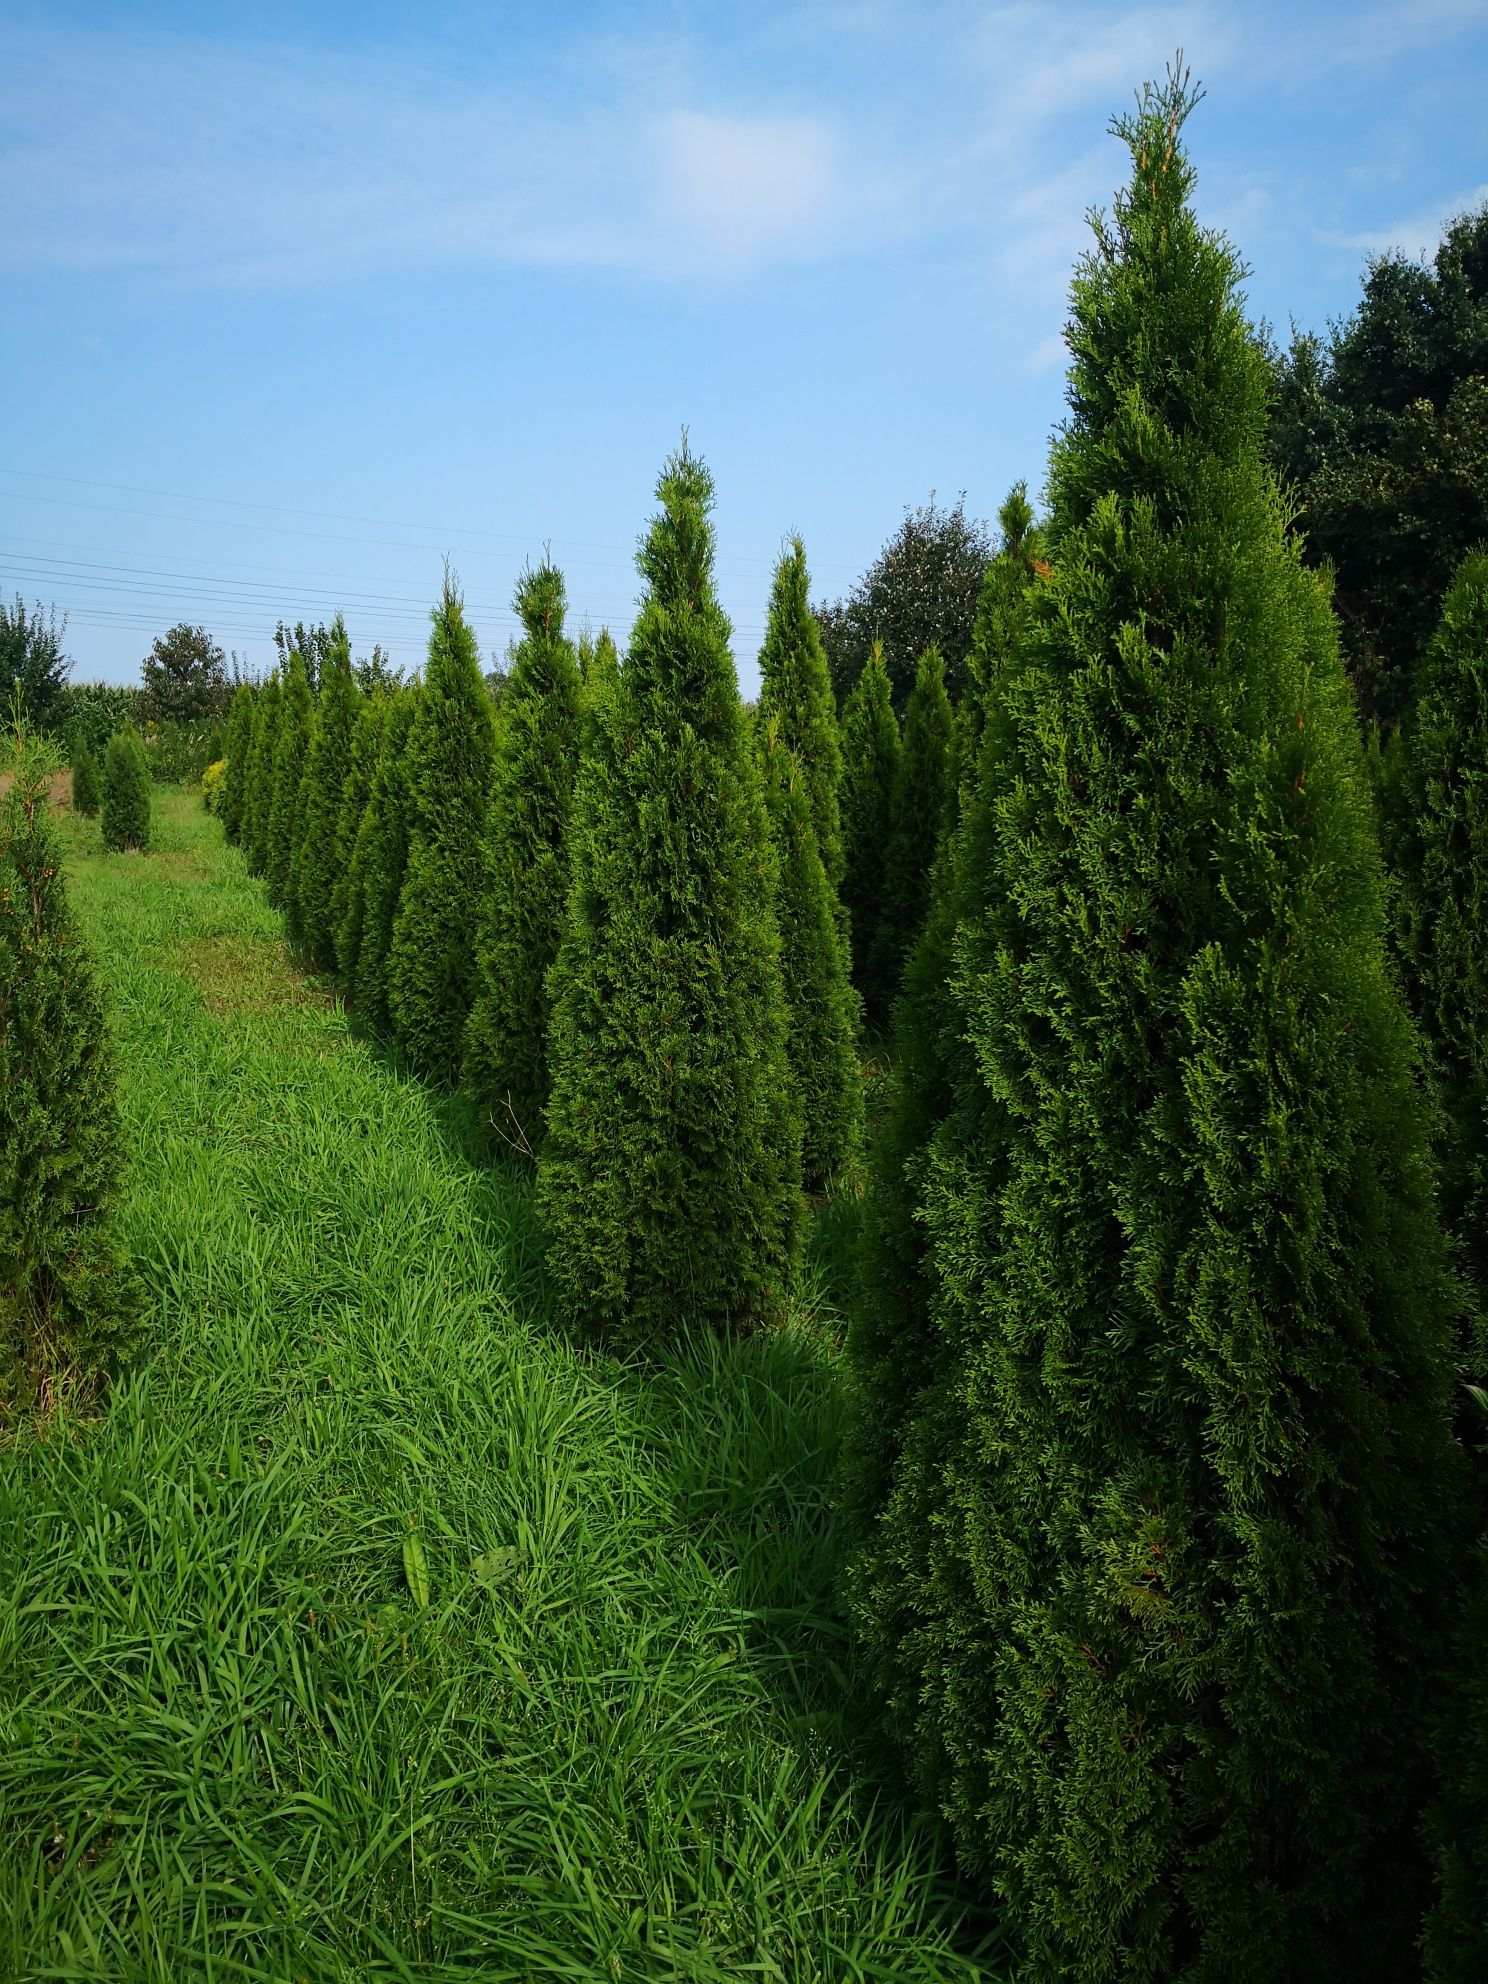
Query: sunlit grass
[[378, 1632]]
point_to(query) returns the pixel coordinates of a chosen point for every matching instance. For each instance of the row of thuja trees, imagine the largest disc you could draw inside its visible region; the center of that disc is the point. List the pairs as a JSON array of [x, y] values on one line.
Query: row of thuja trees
[[1168, 1567]]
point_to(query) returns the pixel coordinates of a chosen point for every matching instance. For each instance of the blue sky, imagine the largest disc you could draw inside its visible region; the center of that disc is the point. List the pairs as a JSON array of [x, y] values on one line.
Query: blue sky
[[301, 299]]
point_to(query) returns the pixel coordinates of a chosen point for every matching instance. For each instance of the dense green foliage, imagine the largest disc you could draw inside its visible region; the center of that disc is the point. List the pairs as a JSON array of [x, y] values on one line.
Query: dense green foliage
[[346, 899], [451, 748], [1441, 845], [291, 749], [870, 764], [237, 1743], [33, 661], [920, 592], [796, 690], [379, 863], [316, 871], [526, 870], [86, 795], [126, 793], [92, 711], [822, 1010], [237, 749], [258, 800], [670, 1179], [1159, 1592], [62, 1294], [184, 677], [1383, 428], [920, 816]]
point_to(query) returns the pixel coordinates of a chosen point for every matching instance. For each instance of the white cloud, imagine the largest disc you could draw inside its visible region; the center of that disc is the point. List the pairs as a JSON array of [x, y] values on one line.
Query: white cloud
[[1419, 234]]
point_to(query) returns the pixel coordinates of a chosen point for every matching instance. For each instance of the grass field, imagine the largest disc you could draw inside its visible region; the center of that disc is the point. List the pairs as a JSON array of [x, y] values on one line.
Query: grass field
[[378, 1631]]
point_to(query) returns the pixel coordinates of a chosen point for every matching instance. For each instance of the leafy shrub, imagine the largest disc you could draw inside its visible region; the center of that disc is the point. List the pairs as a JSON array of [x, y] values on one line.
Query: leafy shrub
[[213, 780], [86, 798]]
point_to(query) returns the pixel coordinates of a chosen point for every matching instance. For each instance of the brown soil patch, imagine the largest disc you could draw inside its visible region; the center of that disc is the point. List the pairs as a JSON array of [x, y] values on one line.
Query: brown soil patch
[[59, 789], [252, 975]]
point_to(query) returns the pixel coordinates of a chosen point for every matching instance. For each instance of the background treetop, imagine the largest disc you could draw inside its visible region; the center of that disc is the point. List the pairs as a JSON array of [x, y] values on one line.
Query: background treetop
[[920, 592]]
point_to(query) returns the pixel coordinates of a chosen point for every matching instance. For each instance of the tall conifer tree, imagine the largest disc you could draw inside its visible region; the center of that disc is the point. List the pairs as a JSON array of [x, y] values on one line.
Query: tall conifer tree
[[451, 747], [316, 870], [796, 690], [1158, 1593], [921, 816], [1443, 852], [893, 1336], [670, 1179], [238, 750], [822, 1010], [378, 867], [526, 870], [870, 765], [258, 800], [63, 1301], [291, 748], [346, 902]]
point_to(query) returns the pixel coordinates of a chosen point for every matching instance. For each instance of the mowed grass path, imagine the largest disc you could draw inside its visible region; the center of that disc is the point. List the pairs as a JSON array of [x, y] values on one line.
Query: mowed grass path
[[377, 1631]]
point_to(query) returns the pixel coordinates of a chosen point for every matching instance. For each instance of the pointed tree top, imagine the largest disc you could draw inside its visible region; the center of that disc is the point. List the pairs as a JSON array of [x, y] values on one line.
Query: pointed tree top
[[541, 601]]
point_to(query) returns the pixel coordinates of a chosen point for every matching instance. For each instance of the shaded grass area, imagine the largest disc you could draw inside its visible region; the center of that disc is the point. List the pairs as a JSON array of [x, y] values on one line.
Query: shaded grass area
[[377, 1632]]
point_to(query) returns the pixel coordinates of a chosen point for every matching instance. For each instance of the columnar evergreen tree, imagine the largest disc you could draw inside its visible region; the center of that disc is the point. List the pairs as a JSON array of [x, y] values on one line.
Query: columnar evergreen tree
[[670, 1179], [316, 869], [600, 670], [291, 748], [870, 765], [796, 690], [258, 800], [526, 870], [238, 750], [85, 794], [1000, 612], [378, 866], [921, 815], [126, 792], [893, 1335], [62, 1300], [1159, 1589], [1444, 892], [431, 967], [346, 900], [822, 1011]]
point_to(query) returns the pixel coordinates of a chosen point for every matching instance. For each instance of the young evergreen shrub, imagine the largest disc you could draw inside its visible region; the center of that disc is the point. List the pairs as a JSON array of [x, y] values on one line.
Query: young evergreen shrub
[[921, 816], [258, 798], [526, 870], [126, 793], [451, 747], [378, 866], [237, 750], [796, 690], [316, 870], [822, 1011], [63, 1309], [291, 748], [1000, 612], [1158, 1594], [670, 1179], [1443, 893], [86, 798], [870, 764], [346, 899]]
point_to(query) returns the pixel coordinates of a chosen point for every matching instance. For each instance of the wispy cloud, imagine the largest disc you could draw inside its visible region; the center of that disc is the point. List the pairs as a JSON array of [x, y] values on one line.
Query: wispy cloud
[[1418, 234]]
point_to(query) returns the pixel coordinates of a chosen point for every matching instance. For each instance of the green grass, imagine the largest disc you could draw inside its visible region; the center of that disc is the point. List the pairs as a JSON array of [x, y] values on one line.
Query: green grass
[[377, 1631]]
